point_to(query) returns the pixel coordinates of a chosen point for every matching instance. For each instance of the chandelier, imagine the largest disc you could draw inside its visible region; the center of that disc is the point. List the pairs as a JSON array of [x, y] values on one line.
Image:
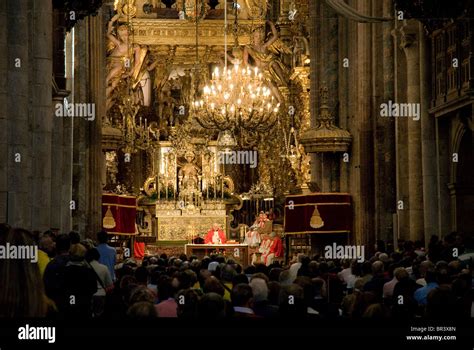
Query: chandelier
[[237, 98], [136, 134]]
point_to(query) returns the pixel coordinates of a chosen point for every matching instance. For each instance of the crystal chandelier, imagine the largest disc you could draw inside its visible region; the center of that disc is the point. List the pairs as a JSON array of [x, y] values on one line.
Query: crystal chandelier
[[237, 98]]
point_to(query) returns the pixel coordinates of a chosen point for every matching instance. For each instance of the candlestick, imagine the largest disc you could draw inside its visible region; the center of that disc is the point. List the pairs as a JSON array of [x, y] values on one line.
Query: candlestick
[[215, 187], [157, 185]]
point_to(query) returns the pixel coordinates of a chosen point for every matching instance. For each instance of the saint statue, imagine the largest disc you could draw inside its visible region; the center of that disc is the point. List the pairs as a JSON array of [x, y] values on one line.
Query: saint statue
[[188, 174], [300, 57]]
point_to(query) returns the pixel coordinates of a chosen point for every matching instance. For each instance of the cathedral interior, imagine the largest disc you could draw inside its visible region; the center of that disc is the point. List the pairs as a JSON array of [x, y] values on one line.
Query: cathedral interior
[[343, 121]]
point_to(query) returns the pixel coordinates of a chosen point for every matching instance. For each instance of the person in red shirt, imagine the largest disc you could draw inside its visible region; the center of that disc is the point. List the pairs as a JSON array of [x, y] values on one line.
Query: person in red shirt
[[215, 235], [275, 250]]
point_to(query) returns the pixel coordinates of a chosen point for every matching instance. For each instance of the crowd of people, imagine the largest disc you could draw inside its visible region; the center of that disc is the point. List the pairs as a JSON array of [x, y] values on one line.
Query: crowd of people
[[76, 278]]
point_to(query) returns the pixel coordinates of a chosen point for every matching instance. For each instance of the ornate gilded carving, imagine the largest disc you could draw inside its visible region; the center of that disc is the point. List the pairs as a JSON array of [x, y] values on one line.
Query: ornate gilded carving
[[184, 228]]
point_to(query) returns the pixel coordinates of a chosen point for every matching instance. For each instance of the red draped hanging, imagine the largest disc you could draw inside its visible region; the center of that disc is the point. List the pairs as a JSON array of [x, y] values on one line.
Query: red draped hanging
[[119, 214], [335, 210]]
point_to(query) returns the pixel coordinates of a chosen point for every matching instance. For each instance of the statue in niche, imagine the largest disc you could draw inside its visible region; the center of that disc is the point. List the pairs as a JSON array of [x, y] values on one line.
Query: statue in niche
[[301, 164], [300, 57], [265, 56], [188, 174], [166, 108], [305, 165], [111, 166], [186, 87]]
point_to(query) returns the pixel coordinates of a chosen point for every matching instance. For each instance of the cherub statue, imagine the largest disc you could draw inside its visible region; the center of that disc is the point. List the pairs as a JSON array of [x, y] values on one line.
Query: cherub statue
[[265, 56]]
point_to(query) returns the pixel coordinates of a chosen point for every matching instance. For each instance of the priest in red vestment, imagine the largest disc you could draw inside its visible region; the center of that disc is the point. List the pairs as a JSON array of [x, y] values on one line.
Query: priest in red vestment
[[215, 235], [275, 250]]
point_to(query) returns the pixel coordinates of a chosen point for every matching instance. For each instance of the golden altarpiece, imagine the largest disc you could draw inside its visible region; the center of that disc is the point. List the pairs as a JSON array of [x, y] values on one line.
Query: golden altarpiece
[[161, 56]]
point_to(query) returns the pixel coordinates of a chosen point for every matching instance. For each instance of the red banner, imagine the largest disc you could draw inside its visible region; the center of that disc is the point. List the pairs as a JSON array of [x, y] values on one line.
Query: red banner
[[318, 213], [119, 214]]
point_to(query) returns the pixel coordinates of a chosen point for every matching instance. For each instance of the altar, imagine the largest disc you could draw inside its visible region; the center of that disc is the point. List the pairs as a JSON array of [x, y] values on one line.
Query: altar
[[186, 225], [236, 252]]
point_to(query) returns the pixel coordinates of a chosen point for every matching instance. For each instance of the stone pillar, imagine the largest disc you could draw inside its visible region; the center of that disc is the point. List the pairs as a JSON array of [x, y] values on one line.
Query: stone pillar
[[343, 97], [410, 44], [97, 47], [89, 87], [18, 134], [428, 142], [41, 117], [80, 136], [364, 178], [4, 159], [401, 140], [384, 137]]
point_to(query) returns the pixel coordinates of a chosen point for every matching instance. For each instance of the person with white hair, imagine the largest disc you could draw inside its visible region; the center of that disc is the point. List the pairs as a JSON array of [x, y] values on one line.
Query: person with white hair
[[215, 235], [261, 305]]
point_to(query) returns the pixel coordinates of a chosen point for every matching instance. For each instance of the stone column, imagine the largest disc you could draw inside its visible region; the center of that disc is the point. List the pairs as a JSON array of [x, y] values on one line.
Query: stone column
[[410, 44], [18, 134], [384, 137], [42, 115], [343, 97], [89, 87], [364, 220], [97, 47], [428, 142], [81, 143], [4, 159], [401, 140]]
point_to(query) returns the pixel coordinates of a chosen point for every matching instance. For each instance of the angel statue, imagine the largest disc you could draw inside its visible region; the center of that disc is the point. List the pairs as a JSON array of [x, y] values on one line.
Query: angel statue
[[119, 63], [265, 56]]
